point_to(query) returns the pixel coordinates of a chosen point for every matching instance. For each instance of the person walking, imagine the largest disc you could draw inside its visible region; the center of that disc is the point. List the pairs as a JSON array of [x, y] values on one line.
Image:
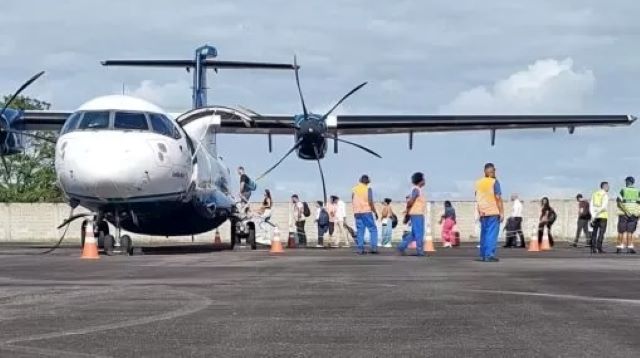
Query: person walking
[[600, 215], [300, 213], [448, 221], [415, 217], [247, 186], [365, 214], [491, 212], [514, 225], [332, 209], [387, 222], [628, 202], [322, 220], [548, 216], [340, 217], [584, 217]]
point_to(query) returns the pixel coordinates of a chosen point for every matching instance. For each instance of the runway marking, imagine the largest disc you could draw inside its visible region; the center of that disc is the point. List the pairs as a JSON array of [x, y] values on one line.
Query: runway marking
[[562, 296], [191, 308]]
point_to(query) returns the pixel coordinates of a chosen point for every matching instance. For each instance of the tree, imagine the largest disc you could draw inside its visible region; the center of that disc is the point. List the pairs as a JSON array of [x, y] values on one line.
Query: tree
[[30, 176]]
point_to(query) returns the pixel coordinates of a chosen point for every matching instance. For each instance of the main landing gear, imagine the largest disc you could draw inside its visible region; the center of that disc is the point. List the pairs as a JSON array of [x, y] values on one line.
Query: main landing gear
[[110, 244]]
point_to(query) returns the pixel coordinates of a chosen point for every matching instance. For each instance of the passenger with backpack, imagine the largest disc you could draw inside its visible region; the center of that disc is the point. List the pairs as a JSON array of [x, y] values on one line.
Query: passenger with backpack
[[300, 212], [323, 221], [247, 186], [547, 217]]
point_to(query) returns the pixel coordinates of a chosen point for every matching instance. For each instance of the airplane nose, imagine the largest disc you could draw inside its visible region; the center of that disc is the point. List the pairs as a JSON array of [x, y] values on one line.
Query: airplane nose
[[104, 167]]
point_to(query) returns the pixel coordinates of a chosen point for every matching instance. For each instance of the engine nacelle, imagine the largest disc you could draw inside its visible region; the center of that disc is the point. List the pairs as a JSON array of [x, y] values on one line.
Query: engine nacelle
[[10, 143]]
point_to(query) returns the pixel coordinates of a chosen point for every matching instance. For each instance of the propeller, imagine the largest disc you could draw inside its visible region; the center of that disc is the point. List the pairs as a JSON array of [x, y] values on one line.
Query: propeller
[[325, 135], [8, 103]]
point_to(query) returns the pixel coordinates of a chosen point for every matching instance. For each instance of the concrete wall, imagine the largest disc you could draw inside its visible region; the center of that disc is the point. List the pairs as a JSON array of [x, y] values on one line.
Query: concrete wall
[[38, 222]]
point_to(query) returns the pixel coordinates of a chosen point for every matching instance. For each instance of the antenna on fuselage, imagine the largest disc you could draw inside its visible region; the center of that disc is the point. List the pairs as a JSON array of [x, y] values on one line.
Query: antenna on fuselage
[[204, 59]]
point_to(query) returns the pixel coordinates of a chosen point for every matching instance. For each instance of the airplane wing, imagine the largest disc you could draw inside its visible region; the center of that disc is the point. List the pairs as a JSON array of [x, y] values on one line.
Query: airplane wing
[[388, 124], [35, 120]]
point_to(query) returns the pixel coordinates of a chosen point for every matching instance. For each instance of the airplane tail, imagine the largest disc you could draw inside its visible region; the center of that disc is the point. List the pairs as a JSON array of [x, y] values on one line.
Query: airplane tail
[[203, 60]]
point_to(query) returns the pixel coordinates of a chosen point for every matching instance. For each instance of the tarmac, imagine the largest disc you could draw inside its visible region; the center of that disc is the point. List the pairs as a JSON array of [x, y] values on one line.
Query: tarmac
[[319, 303]]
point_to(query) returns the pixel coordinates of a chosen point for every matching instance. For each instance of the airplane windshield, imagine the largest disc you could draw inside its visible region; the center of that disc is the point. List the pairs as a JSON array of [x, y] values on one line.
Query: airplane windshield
[[94, 120], [130, 120]]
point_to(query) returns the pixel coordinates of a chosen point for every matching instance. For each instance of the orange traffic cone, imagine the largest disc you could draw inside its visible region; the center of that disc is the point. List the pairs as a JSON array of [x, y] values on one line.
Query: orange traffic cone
[[216, 239], [545, 243], [291, 242], [428, 242], [90, 248], [533, 243], [276, 245]]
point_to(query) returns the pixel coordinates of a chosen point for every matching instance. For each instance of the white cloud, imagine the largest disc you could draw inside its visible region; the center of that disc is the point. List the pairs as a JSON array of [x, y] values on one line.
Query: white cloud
[[547, 86], [170, 96]]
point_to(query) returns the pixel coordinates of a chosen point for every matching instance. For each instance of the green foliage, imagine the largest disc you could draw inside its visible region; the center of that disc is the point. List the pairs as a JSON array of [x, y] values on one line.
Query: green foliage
[[30, 176]]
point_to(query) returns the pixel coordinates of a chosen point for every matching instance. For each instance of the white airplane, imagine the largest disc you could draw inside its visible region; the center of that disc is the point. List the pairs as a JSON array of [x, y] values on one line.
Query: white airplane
[[135, 166]]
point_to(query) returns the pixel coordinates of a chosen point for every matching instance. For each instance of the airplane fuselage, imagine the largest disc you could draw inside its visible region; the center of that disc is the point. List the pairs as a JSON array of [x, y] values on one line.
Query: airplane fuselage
[[125, 159]]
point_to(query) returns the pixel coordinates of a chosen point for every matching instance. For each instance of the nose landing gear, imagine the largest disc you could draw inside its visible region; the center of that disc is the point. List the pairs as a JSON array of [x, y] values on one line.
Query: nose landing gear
[[111, 245]]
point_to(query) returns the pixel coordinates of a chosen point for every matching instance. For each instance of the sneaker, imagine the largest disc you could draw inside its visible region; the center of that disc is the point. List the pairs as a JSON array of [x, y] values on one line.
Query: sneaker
[[492, 259], [401, 253], [361, 253], [574, 245], [481, 259], [373, 252], [618, 251], [631, 251]]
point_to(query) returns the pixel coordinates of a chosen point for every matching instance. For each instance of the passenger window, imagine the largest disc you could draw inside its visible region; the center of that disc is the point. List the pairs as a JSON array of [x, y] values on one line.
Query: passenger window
[[163, 125], [94, 120], [71, 123], [130, 120]]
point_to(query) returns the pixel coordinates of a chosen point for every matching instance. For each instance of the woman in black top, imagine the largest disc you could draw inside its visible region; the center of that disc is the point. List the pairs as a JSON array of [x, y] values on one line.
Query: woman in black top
[[267, 203], [547, 218]]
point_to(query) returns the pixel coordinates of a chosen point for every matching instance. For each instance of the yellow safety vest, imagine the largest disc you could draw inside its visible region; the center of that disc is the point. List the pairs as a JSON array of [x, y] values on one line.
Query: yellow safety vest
[[419, 205], [361, 199], [486, 197], [597, 200]]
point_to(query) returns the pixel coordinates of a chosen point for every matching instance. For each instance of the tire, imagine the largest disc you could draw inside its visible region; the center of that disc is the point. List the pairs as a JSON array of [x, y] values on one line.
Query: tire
[[109, 241], [234, 236], [103, 230], [251, 239], [127, 245]]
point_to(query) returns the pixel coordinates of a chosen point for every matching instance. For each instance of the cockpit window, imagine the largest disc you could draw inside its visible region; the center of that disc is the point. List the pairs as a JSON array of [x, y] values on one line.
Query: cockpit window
[[163, 125], [71, 123], [130, 120], [94, 120]]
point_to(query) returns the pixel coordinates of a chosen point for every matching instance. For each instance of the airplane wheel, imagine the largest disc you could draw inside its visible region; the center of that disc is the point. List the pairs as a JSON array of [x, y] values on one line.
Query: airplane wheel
[[251, 240], [109, 241], [103, 230], [126, 244]]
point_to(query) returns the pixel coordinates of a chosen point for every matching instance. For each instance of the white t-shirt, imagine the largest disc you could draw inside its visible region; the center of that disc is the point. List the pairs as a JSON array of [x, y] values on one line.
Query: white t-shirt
[[341, 211], [517, 209], [298, 211]]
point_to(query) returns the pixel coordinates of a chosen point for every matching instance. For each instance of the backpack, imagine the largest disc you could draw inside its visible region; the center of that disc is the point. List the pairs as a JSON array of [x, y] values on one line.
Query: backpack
[[552, 216], [251, 185], [305, 209], [323, 218], [394, 221]]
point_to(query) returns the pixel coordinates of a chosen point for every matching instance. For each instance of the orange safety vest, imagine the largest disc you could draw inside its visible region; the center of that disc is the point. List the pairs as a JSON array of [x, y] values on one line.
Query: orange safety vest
[[361, 199], [420, 204], [486, 197]]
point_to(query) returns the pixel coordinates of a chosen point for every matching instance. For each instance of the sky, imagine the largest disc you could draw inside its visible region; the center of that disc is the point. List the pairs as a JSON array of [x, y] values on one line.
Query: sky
[[448, 57]]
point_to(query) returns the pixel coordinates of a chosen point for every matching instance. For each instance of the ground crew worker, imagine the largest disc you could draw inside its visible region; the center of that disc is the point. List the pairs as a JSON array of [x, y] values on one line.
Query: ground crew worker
[[490, 211], [628, 210], [600, 215], [416, 206], [365, 214]]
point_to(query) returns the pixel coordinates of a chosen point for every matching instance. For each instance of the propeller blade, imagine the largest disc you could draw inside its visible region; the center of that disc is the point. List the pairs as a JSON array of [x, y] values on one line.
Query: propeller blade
[[32, 135], [295, 146], [343, 99], [22, 88], [304, 107], [353, 144], [324, 187]]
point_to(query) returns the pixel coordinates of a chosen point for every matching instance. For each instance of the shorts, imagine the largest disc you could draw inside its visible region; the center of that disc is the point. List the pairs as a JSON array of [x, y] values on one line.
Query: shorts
[[627, 224]]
